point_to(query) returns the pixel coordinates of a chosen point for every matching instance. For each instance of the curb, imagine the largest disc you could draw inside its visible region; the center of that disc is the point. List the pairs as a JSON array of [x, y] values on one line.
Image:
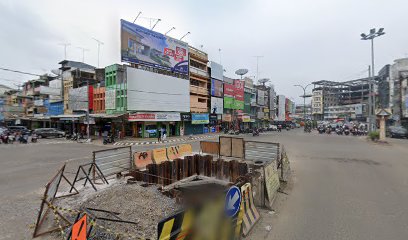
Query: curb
[[165, 141]]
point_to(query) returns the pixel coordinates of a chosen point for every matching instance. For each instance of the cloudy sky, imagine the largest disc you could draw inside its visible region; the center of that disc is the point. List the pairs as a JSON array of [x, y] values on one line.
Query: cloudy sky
[[300, 40]]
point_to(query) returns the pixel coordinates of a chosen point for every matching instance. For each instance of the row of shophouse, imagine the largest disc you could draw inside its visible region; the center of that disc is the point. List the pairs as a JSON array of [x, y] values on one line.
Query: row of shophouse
[[349, 100], [161, 83], [137, 101]]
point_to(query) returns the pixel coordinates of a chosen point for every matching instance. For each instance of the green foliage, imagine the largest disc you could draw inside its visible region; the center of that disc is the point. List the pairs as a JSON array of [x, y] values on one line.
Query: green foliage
[[374, 136]]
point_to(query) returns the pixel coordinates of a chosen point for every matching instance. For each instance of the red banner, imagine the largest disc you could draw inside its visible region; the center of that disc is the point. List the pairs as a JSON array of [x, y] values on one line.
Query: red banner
[[229, 90], [142, 116], [239, 90]]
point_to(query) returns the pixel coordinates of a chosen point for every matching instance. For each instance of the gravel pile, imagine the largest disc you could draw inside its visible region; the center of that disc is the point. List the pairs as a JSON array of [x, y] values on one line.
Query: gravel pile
[[144, 205]]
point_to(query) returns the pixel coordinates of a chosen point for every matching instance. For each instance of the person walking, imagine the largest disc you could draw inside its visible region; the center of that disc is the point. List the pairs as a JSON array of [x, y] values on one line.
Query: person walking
[[159, 134], [164, 134]]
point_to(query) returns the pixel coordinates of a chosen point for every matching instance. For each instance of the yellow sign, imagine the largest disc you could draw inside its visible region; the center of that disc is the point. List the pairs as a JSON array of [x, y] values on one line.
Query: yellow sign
[[173, 152]]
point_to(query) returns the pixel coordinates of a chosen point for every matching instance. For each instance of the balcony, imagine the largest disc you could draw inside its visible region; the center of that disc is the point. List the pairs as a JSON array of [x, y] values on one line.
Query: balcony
[[195, 53], [198, 72], [198, 90]]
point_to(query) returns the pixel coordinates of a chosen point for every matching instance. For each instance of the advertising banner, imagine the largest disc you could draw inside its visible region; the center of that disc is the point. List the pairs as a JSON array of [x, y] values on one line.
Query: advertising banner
[[238, 105], [239, 90], [217, 105], [200, 118], [154, 117], [226, 117], [39, 102], [216, 88], [110, 98], [260, 97], [143, 46], [149, 91], [78, 99], [217, 71], [228, 102], [228, 90]]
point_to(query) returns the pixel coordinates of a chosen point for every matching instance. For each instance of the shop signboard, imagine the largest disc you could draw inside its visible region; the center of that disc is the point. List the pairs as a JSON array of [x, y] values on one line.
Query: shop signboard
[[216, 88], [154, 117], [39, 102], [185, 117], [246, 119], [228, 102], [143, 46], [226, 117], [78, 99], [217, 105], [200, 118]]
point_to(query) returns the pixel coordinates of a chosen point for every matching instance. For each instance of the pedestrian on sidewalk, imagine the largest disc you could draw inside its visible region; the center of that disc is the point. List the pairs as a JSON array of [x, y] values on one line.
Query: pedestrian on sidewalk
[[164, 134], [159, 135]]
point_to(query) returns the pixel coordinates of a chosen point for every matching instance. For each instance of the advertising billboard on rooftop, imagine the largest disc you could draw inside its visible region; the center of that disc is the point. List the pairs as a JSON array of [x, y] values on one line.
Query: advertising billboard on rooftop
[[216, 88], [143, 46]]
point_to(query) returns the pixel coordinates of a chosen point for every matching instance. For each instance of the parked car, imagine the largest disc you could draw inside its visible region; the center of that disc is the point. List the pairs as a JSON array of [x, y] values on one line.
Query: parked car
[[48, 132], [20, 129], [397, 132]]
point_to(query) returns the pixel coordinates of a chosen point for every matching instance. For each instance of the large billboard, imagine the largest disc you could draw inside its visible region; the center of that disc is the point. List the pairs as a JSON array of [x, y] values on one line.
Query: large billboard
[[217, 71], [149, 91], [78, 99], [216, 88], [260, 97], [234, 95], [143, 46], [217, 105]]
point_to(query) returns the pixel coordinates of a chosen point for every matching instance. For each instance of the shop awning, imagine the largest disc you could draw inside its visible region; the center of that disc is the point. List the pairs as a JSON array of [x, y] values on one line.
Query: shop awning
[[103, 115], [69, 117]]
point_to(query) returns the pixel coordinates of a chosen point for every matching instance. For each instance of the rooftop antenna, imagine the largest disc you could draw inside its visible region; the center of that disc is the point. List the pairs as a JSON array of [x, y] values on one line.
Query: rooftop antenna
[[137, 17], [65, 45], [257, 66], [83, 53], [184, 36], [158, 20], [169, 31], [241, 72], [99, 47], [263, 81]]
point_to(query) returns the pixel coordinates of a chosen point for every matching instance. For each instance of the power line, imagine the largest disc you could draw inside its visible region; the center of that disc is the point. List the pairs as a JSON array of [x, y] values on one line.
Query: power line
[[18, 71]]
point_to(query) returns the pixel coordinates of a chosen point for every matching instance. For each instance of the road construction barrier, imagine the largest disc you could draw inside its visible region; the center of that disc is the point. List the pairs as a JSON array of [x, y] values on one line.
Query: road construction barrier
[[142, 159], [114, 160], [209, 147], [284, 166], [177, 226], [173, 152], [159, 155], [185, 149], [251, 214], [231, 147]]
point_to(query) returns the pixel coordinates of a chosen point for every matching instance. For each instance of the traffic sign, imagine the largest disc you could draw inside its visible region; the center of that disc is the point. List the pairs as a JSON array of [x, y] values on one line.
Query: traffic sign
[[232, 201]]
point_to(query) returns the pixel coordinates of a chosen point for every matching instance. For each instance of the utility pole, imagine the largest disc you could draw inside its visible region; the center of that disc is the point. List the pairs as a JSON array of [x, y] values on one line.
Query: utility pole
[[99, 46], [370, 36], [257, 66], [304, 98], [65, 45], [83, 53]]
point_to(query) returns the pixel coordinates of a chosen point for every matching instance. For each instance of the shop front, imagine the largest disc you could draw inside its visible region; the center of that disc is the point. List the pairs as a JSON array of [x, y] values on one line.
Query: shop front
[[195, 123], [215, 124], [148, 124]]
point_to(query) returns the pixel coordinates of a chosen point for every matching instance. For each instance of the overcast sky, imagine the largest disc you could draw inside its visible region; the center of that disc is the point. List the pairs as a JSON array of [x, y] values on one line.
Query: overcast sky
[[300, 40]]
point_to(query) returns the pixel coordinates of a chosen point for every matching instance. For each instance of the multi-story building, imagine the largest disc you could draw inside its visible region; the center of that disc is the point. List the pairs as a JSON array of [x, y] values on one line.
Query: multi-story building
[[281, 110], [199, 81], [398, 102], [303, 111], [99, 100]]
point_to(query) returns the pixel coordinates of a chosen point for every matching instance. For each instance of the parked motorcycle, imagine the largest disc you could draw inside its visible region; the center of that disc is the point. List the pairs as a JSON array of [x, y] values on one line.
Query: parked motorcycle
[[23, 139], [328, 130], [321, 129], [255, 132], [346, 131], [108, 139], [339, 131], [34, 138]]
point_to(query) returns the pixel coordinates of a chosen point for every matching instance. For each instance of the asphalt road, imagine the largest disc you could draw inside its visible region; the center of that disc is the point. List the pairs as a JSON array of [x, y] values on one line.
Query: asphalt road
[[25, 170], [342, 188]]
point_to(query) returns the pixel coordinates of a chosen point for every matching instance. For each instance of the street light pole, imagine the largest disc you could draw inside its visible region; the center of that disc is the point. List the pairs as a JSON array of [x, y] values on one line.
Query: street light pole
[[304, 98], [373, 34]]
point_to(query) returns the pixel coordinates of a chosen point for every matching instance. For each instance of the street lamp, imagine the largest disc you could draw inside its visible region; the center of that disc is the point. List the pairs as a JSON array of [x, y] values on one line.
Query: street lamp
[[371, 99], [304, 98]]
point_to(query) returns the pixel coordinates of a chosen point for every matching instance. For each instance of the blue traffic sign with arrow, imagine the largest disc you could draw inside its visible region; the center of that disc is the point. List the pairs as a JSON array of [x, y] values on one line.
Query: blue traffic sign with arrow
[[232, 201]]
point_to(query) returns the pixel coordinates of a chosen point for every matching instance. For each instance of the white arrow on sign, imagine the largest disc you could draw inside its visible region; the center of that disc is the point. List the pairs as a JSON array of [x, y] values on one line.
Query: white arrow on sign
[[232, 201]]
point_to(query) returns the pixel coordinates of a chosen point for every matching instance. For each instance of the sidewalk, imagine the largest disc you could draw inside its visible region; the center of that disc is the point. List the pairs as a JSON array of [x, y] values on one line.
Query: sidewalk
[[147, 141]]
